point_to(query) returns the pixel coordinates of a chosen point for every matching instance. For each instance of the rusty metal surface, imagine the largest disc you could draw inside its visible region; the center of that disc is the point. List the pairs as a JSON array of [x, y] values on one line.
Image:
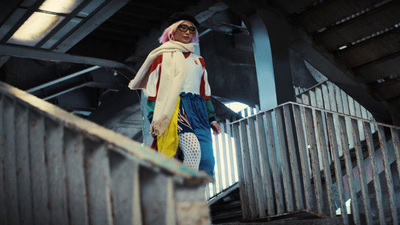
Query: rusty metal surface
[[349, 168], [388, 174], [313, 158], [293, 155], [284, 160], [242, 186], [337, 165], [266, 174], [273, 153], [324, 153], [258, 190], [360, 164], [247, 170], [375, 172], [303, 152], [396, 146]]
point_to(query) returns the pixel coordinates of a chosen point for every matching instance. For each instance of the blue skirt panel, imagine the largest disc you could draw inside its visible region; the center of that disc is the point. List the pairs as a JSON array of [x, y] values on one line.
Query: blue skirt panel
[[195, 110]]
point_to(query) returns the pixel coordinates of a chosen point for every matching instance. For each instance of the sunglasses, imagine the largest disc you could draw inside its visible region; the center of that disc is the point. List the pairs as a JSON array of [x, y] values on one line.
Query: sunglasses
[[184, 28]]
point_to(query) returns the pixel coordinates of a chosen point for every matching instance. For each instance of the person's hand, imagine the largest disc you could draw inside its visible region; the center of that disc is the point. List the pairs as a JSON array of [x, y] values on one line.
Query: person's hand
[[153, 130], [215, 127]]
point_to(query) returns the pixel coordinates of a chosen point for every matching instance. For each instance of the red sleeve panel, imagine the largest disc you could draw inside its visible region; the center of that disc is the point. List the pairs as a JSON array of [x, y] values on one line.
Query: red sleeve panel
[[157, 62], [203, 81]]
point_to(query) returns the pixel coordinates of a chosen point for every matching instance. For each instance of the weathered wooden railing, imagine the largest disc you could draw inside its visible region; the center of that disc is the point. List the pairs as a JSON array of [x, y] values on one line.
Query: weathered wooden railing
[[57, 168], [296, 157]]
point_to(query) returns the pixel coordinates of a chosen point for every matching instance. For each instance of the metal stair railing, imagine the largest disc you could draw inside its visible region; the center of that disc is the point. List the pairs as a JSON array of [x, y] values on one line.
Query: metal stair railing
[[327, 95], [57, 168], [291, 159], [226, 174]]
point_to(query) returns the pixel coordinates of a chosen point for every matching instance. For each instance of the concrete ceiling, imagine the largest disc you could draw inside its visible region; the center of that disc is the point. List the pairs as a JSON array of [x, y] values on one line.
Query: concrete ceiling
[[361, 39]]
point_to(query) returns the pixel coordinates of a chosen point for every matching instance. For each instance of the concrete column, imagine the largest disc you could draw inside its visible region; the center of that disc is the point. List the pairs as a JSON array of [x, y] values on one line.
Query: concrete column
[[271, 39], [263, 61]]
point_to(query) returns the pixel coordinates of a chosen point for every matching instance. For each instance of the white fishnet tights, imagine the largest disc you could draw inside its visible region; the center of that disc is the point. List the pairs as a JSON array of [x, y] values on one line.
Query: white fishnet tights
[[190, 146]]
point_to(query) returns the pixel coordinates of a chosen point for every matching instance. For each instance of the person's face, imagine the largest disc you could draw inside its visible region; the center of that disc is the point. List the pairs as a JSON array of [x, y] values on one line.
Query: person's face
[[185, 32]]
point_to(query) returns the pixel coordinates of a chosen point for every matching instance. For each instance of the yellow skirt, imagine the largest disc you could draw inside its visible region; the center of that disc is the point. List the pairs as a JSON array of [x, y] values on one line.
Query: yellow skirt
[[168, 142]]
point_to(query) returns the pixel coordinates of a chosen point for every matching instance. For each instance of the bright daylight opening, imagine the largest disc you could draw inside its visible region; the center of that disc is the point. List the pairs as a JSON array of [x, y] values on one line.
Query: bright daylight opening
[[35, 28], [60, 6], [39, 24], [236, 106]]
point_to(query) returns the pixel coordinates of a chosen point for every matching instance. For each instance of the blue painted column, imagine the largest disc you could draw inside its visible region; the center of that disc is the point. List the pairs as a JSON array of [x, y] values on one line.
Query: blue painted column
[[271, 39]]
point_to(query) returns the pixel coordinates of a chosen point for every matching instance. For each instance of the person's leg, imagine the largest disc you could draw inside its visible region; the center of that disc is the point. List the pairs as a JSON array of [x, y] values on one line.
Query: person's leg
[[190, 147], [207, 161], [196, 112]]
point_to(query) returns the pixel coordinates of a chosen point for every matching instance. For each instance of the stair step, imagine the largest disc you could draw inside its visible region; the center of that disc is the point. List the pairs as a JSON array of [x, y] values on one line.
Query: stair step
[[319, 221]]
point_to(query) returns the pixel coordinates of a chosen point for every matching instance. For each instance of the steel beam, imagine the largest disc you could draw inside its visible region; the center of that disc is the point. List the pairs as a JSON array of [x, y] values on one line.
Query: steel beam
[[25, 52]]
